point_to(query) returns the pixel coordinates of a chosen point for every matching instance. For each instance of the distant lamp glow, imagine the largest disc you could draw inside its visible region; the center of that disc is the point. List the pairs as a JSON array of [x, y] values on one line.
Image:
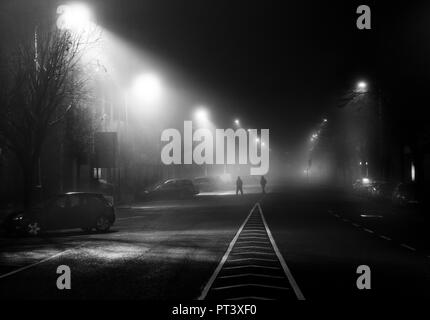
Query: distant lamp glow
[[324, 120], [202, 116], [361, 86], [263, 144], [257, 140], [237, 122], [147, 88], [74, 17], [412, 171], [365, 180], [361, 163]]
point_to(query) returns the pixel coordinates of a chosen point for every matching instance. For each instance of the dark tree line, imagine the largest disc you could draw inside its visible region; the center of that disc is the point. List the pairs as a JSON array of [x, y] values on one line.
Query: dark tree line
[[41, 81]]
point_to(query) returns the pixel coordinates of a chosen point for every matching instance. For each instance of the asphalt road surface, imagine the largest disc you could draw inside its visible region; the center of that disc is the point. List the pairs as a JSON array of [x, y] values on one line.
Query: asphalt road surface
[[292, 243]]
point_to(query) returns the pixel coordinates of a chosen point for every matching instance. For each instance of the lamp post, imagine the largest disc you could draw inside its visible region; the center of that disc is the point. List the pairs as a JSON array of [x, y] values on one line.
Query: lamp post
[[362, 88]]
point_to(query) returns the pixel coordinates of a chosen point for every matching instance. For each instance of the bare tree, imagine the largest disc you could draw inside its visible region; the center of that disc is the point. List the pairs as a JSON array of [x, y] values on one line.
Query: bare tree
[[41, 81]]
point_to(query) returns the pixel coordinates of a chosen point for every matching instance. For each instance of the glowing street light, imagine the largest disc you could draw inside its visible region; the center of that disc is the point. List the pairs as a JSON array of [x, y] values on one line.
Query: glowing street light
[[237, 122], [76, 17], [361, 86], [147, 88], [202, 116]]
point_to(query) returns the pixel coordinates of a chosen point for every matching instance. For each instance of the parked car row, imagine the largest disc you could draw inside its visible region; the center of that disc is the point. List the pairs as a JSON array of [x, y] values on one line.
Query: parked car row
[[95, 211], [401, 194]]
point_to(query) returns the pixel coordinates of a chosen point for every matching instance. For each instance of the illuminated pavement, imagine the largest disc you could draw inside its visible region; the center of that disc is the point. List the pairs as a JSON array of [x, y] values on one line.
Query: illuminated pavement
[[170, 250]]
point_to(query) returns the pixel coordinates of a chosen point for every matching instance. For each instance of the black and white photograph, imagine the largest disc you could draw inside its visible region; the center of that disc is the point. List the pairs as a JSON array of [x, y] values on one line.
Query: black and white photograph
[[214, 157]]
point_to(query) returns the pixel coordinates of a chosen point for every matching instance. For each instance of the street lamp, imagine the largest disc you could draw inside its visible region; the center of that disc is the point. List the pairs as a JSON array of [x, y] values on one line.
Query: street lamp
[[237, 122], [201, 115], [361, 86], [147, 88], [76, 17]]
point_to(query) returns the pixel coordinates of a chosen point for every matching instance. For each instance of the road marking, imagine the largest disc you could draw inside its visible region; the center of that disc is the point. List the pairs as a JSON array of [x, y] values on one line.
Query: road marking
[[250, 232], [368, 230], [371, 216], [287, 271], [252, 241], [224, 258], [336, 215], [254, 266], [385, 238], [345, 220], [253, 252], [259, 259], [356, 225], [254, 247], [253, 237], [408, 247], [39, 262], [230, 257], [250, 285], [250, 274]]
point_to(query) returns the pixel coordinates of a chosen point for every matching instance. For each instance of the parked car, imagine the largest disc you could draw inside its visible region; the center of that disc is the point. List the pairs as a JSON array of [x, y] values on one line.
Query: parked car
[[65, 211], [172, 189], [406, 194], [207, 184]]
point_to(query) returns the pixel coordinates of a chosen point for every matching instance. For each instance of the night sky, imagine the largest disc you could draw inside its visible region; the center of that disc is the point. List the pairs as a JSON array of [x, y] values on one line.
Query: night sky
[[267, 62], [279, 66]]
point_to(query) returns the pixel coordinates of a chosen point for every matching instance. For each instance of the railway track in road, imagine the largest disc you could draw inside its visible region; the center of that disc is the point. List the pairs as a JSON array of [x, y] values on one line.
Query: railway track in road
[[252, 268]]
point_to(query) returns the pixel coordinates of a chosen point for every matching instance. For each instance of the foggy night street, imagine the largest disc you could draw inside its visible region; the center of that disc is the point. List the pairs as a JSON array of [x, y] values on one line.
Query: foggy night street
[[213, 158], [170, 249]]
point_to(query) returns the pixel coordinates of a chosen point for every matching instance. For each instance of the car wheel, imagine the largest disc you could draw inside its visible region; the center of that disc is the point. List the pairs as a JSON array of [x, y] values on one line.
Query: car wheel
[[33, 228], [102, 224]]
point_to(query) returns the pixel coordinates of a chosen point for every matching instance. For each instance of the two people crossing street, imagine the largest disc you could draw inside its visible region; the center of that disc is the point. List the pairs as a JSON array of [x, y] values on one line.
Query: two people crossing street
[[239, 185]]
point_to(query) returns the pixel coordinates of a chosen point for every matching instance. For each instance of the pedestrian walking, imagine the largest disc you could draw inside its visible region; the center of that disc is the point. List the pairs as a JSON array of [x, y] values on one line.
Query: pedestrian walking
[[239, 184], [263, 183]]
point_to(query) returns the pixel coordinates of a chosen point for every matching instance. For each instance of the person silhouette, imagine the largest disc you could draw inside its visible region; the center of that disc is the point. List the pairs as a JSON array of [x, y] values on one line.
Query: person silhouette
[[263, 183], [239, 184]]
